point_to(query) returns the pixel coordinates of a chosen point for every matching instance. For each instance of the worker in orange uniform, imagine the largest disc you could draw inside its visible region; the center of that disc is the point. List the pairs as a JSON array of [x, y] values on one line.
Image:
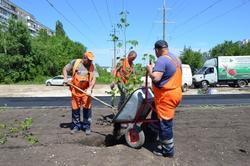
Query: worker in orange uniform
[[83, 76], [166, 78], [123, 71]]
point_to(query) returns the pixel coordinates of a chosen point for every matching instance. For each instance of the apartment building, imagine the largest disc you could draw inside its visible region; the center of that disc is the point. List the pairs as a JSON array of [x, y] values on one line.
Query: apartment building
[[9, 9], [245, 41]]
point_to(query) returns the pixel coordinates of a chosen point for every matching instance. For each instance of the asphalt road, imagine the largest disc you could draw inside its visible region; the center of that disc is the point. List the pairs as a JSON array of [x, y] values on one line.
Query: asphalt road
[[226, 99]]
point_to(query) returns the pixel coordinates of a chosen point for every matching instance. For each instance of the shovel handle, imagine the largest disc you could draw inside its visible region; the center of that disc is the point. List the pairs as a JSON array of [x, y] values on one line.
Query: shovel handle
[[106, 104]]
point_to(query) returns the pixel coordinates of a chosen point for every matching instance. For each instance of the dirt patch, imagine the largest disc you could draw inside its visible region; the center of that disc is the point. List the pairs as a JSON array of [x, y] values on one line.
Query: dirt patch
[[203, 136]]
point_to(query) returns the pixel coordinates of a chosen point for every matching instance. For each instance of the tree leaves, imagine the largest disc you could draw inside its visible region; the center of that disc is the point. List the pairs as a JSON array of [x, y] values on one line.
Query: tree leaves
[[59, 29], [133, 42], [193, 58], [27, 58], [105, 76], [229, 48]]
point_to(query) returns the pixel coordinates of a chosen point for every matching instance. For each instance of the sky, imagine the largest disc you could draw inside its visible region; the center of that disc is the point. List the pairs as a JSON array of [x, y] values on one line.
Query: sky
[[199, 24]]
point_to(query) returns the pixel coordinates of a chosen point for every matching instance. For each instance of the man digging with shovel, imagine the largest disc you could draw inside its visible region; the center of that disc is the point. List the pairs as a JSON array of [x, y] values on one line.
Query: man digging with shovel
[[84, 77]]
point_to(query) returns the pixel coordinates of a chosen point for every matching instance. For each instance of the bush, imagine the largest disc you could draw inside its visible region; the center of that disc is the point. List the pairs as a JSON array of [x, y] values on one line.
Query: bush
[[105, 77]]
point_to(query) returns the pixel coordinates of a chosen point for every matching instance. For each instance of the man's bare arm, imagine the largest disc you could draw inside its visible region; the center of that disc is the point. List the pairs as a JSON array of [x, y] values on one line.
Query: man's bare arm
[[156, 76]]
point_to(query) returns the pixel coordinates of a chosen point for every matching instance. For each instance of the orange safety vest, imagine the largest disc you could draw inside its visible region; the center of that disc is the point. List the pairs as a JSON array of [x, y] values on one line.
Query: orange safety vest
[[125, 71], [81, 81], [169, 96]]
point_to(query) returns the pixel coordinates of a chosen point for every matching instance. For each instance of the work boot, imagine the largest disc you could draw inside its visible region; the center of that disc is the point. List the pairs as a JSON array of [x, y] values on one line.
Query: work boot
[[159, 152], [74, 130], [87, 131], [76, 125], [87, 115]]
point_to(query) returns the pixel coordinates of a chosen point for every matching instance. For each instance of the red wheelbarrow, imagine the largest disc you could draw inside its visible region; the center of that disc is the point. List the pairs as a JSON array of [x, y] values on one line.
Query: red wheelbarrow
[[133, 115]]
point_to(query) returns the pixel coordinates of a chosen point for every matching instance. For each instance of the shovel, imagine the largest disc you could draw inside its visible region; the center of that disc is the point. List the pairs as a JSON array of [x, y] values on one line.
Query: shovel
[[104, 103]]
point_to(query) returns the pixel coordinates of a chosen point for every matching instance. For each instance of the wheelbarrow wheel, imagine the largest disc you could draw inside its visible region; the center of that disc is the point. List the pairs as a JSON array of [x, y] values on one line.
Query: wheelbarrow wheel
[[135, 137]]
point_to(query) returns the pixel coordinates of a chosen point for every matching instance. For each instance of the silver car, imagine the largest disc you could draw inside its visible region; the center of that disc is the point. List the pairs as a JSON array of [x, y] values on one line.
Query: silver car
[[57, 80]]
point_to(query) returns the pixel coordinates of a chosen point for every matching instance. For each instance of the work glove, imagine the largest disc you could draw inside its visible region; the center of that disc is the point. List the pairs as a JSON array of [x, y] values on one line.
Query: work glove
[[66, 82], [89, 92]]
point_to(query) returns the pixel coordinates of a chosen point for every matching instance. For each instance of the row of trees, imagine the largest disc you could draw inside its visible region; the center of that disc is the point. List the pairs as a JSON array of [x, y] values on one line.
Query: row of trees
[[27, 58]]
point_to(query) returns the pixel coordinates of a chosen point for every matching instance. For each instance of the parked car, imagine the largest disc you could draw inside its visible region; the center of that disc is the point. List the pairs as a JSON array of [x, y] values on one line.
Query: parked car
[[57, 80]]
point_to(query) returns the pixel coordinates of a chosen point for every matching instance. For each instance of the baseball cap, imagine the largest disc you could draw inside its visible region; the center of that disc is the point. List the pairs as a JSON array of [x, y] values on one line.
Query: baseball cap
[[161, 44], [89, 55]]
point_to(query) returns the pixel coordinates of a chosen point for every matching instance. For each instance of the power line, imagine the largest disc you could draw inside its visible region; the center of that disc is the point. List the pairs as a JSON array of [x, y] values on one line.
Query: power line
[[152, 27], [174, 4], [114, 40], [116, 13], [214, 18], [179, 4], [107, 6], [180, 8], [197, 14], [60, 13], [76, 13], [163, 22], [99, 16]]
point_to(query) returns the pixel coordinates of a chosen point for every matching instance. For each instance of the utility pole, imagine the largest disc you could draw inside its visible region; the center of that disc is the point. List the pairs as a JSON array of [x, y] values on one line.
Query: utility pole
[[114, 39], [114, 58], [164, 20], [125, 39]]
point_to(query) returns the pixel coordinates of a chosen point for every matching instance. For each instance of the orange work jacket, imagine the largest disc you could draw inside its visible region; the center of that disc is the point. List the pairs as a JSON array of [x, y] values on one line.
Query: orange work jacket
[[169, 96], [124, 71], [81, 81]]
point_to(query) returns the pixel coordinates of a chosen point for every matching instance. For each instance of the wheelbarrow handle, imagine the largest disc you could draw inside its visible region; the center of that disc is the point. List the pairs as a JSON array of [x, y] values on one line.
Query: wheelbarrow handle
[[146, 83]]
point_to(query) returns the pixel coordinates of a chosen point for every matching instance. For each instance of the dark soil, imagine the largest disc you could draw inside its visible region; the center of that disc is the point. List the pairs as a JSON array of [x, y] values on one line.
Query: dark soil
[[203, 136]]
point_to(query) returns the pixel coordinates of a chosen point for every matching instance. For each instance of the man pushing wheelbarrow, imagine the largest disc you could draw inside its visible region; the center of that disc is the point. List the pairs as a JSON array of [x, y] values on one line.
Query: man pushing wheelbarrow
[[166, 78]]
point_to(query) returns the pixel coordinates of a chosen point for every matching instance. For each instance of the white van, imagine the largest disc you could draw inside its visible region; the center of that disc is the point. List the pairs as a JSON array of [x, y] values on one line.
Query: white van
[[186, 78]]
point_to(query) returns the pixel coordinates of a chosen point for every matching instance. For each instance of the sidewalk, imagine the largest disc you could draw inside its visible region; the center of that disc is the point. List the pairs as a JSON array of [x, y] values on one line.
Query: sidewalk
[[44, 91], [99, 90]]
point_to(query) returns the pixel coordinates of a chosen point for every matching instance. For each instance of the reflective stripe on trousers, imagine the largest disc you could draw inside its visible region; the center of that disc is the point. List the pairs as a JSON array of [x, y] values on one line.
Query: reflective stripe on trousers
[[76, 123], [166, 136], [87, 115]]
